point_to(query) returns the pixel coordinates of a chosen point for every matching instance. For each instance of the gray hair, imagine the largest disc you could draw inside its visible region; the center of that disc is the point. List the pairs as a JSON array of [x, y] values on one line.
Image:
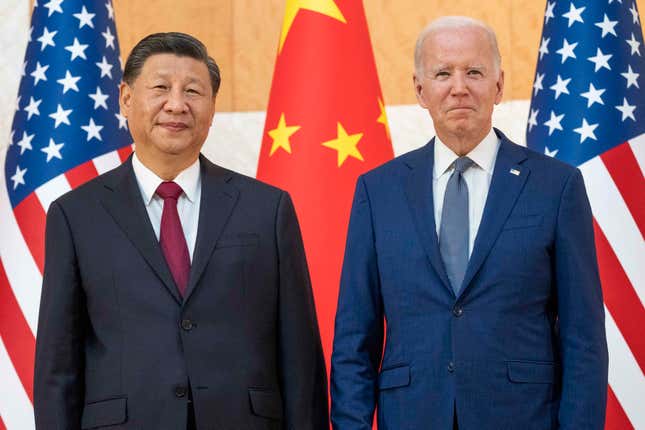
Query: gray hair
[[180, 44], [454, 22]]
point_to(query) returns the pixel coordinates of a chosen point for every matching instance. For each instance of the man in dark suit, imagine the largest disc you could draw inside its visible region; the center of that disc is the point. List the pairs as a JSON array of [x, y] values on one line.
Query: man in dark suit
[[176, 293], [479, 255]]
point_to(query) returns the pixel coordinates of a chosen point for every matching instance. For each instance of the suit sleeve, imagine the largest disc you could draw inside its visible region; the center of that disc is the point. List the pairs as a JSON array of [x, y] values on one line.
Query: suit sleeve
[[358, 336], [581, 317], [302, 365], [59, 369]]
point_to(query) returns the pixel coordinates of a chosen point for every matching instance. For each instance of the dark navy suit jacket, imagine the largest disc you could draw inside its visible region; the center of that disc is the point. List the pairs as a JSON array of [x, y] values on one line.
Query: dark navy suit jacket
[[119, 348], [522, 346]]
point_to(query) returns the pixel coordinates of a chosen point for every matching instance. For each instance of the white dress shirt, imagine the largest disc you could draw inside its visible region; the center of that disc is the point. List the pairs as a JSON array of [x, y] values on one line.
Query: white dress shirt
[[187, 205], [477, 177]]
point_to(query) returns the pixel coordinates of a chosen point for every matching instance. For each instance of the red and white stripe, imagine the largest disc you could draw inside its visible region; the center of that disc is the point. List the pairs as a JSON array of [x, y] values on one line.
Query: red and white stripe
[[15, 407], [22, 248], [615, 184]]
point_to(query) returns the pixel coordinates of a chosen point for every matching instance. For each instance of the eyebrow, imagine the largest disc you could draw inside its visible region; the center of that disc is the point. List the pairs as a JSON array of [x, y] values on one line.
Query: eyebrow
[[164, 75], [443, 67], [440, 67]]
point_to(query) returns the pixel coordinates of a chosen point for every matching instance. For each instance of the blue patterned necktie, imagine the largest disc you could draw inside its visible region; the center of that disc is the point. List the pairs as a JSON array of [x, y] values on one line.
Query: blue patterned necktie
[[454, 230]]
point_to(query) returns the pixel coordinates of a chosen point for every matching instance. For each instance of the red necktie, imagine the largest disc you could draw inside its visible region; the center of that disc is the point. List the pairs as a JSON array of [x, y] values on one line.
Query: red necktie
[[171, 237]]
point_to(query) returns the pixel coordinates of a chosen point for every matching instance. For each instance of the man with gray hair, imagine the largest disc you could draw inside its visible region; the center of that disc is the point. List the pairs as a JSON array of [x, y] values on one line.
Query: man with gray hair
[[479, 254]]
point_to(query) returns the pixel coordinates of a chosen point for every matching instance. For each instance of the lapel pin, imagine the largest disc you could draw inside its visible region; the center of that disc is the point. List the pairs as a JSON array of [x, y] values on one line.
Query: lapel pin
[[515, 172]]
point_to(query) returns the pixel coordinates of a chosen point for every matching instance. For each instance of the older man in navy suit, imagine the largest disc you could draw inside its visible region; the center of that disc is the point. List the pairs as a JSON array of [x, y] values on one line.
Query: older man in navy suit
[[479, 255], [176, 293]]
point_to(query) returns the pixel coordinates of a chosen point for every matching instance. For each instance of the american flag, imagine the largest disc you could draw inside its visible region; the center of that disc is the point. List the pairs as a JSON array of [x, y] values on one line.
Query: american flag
[[588, 109], [66, 130]]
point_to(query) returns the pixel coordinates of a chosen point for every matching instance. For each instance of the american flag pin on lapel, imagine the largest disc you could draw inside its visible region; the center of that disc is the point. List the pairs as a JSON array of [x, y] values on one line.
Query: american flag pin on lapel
[[515, 172]]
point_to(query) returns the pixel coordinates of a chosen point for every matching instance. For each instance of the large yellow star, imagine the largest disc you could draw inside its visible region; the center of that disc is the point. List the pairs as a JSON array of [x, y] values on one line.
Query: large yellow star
[[325, 7], [383, 118], [345, 145], [281, 135]]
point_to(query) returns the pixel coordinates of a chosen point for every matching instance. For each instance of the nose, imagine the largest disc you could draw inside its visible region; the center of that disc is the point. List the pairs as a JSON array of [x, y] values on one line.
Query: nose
[[459, 86], [176, 102]]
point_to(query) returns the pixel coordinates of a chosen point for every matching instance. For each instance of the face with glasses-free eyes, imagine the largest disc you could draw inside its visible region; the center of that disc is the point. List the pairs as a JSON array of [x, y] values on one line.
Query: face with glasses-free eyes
[[459, 83], [170, 108]]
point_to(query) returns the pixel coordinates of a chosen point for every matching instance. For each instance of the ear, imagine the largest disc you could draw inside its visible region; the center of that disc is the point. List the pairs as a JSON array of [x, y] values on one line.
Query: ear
[[500, 88], [125, 98], [418, 91], [212, 112]]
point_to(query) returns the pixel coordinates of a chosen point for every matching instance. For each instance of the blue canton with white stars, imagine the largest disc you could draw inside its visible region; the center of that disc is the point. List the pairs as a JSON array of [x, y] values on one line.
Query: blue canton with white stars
[[67, 111], [588, 90]]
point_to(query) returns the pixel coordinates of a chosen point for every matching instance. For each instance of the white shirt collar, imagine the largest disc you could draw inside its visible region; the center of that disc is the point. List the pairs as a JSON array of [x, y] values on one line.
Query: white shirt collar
[[484, 155], [188, 179]]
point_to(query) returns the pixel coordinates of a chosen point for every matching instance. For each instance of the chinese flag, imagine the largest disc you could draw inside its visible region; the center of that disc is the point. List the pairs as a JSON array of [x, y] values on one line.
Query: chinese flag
[[325, 126]]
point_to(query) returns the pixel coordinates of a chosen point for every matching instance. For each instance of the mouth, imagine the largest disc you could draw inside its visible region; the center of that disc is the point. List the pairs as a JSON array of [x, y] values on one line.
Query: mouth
[[173, 126], [460, 109]]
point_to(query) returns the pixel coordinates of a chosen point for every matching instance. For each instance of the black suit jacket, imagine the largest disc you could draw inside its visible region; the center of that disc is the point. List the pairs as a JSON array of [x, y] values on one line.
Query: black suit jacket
[[118, 347]]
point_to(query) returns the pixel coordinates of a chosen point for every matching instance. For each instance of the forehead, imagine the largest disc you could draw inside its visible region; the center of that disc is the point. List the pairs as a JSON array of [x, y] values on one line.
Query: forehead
[[458, 45], [171, 65]]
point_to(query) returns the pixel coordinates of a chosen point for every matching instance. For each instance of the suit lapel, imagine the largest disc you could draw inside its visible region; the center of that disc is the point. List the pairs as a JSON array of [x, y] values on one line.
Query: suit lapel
[[218, 200], [420, 197], [122, 199], [508, 180]]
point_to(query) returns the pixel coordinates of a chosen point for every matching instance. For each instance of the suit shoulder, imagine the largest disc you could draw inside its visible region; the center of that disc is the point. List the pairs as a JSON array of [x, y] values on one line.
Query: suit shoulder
[[256, 185], [541, 162], [398, 165], [88, 190], [246, 183]]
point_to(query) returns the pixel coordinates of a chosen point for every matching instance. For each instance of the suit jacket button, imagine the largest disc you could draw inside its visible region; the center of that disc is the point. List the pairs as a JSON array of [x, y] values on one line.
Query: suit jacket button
[[451, 367], [458, 311], [180, 391], [187, 324]]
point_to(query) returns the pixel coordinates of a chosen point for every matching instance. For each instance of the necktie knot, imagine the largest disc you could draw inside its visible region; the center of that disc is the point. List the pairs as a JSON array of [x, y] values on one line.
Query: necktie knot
[[169, 190], [462, 164]]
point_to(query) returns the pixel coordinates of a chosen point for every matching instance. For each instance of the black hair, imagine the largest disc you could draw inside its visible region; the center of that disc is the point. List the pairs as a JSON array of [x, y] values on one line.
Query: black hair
[[180, 44]]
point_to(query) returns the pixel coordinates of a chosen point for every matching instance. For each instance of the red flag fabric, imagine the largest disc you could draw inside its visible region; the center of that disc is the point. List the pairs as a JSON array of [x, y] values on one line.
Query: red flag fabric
[[325, 125]]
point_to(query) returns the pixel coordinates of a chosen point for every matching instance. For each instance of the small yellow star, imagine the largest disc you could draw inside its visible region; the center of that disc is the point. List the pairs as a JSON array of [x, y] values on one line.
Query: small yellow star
[[325, 7], [383, 118], [345, 145], [281, 135]]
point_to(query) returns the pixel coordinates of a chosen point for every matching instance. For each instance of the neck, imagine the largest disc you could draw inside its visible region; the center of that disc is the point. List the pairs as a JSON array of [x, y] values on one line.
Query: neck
[[168, 167], [461, 144]]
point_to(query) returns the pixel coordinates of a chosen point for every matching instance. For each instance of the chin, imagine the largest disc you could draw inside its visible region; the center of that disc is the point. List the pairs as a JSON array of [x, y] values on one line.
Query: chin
[[178, 148], [461, 131], [460, 125]]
